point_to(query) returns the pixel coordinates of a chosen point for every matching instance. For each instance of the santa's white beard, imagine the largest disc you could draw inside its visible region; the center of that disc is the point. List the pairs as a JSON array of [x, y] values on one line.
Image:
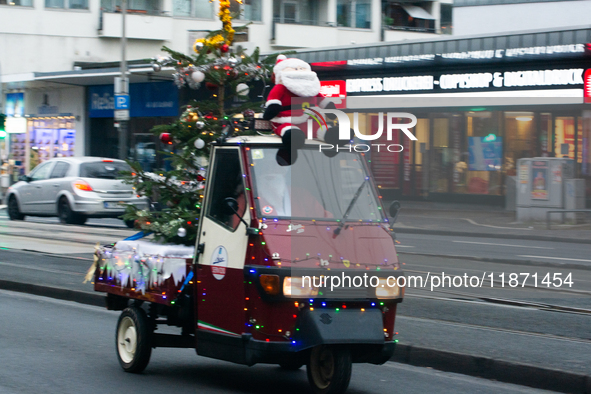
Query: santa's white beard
[[301, 83]]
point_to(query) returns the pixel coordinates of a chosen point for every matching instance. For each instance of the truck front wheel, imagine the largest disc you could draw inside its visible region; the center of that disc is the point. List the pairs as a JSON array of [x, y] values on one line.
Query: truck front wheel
[[133, 340], [329, 369]]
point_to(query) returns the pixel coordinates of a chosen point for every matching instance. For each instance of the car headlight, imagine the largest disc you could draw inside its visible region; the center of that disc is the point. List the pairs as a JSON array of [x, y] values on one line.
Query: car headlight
[[294, 287], [387, 288]]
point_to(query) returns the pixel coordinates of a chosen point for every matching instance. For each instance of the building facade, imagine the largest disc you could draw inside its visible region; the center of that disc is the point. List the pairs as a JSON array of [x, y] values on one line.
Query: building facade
[[481, 104], [55, 54]]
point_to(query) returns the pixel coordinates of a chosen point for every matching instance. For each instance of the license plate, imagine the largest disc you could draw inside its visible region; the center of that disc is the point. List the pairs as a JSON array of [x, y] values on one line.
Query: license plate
[[114, 204]]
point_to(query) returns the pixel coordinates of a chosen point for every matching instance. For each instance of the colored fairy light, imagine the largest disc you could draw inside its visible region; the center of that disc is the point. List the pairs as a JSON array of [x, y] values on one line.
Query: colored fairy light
[[324, 304], [311, 308], [311, 300], [373, 304], [252, 271], [381, 303], [396, 341], [337, 309], [362, 309]]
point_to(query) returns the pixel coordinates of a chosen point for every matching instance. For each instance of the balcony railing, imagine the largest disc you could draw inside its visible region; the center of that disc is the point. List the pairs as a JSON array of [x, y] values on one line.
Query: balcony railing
[[411, 28], [304, 22]]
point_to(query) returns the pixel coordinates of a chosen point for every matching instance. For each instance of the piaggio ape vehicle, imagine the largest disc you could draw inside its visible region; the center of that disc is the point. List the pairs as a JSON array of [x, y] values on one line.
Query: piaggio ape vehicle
[[295, 264]]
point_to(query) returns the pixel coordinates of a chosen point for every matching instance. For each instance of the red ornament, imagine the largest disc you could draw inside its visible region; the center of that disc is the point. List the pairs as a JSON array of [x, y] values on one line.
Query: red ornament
[[211, 86], [225, 48], [166, 138], [200, 178]]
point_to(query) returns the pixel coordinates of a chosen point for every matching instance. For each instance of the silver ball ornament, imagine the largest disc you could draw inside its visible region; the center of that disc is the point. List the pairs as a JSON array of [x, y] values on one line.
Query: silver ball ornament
[[199, 124], [182, 232], [232, 61], [156, 67], [198, 76], [198, 46], [242, 89], [199, 143]]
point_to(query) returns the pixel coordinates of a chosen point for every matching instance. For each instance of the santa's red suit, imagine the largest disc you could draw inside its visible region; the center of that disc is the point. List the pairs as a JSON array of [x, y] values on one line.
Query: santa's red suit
[[296, 84]]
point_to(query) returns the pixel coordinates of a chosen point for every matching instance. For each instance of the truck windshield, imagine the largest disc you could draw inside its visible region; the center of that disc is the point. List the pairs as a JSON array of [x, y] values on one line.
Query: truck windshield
[[314, 187]]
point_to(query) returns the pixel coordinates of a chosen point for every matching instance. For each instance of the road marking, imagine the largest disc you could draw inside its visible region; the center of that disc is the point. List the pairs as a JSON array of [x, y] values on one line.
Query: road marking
[[554, 258], [491, 226], [515, 246], [404, 246]]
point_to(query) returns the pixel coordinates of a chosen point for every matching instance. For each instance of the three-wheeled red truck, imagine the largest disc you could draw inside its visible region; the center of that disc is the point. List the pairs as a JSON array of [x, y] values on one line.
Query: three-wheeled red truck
[[295, 264]]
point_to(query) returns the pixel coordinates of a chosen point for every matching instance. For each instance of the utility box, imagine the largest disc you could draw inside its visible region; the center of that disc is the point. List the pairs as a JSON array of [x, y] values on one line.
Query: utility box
[[541, 186], [574, 197]]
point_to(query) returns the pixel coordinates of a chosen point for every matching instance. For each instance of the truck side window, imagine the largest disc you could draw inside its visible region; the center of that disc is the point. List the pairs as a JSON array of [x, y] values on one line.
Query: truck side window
[[227, 181]]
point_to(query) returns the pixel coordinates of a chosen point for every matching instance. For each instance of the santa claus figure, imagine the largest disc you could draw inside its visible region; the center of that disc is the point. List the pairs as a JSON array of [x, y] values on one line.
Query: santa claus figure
[[295, 83]]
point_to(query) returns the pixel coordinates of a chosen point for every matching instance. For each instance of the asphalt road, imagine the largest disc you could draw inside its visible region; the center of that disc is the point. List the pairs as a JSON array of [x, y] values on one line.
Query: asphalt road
[[510, 249], [51, 346]]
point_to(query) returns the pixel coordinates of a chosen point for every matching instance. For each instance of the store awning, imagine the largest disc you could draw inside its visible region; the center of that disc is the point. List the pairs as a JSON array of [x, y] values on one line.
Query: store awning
[[416, 12]]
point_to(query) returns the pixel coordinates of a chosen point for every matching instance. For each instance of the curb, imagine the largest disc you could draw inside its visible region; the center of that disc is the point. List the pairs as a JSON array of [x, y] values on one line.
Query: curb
[[59, 293], [484, 367], [534, 263], [491, 235], [489, 368]]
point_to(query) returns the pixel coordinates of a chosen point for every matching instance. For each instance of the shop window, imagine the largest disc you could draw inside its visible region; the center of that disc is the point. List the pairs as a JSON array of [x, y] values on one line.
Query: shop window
[[23, 3], [193, 8], [545, 135], [227, 182], [249, 10], [354, 13], [479, 169], [564, 136], [440, 156], [71, 4]]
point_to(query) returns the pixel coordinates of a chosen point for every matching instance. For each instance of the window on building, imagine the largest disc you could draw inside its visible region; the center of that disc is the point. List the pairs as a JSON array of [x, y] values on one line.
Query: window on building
[[23, 3], [151, 7], [71, 4], [250, 10], [446, 18], [193, 8], [354, 13], [408, 16]]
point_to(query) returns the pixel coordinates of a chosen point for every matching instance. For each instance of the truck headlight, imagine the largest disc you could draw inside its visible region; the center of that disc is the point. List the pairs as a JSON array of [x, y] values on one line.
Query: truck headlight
[[294, 287], [387, 288]]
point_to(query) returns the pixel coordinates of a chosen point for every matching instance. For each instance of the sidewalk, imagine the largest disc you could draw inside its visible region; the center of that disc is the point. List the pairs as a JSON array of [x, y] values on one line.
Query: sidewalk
[[481, 221]]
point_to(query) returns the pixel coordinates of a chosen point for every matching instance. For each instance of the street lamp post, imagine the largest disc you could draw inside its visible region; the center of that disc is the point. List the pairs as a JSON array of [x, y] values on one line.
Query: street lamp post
[[122, 88]]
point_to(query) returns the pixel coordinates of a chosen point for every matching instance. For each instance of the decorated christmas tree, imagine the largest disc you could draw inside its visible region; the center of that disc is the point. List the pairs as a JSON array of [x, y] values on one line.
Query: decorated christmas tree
[[228, 75]]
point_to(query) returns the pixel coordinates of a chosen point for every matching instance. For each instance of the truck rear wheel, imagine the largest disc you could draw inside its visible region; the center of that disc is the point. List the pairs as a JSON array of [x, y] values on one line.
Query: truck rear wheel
[[329, 369], [133, 340]]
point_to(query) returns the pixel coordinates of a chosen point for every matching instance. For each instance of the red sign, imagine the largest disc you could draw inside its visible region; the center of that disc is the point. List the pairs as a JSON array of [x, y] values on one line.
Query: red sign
[[335, 89], [587, 88]]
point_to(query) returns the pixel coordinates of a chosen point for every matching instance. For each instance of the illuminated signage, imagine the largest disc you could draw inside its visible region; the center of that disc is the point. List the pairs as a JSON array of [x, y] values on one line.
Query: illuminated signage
[[587, 88], [16, 125], [335, 89], [508, 79], [548, 50]]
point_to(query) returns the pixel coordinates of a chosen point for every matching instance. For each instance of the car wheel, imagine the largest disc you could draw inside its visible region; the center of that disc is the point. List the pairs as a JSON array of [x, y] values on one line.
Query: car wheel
[[14, 212], [329, 369], [133, 340], [65, 213]]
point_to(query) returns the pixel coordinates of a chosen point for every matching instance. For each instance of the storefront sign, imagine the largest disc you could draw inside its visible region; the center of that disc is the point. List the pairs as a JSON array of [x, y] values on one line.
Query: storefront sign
[[147, 100], [487, 80], [16, 125], [335, 89], [508, 53], [587, 88], [539, 180], [15, 104]]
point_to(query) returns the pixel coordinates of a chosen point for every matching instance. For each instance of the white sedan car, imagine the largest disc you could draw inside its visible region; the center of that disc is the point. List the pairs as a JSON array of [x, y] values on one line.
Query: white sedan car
[[74, 189]]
